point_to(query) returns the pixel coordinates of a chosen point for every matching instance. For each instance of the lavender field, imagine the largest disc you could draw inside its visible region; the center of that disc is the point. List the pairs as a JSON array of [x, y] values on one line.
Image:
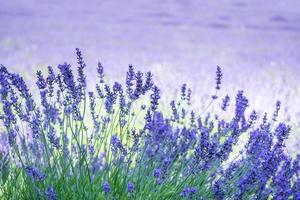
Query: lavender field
[[82, 116]]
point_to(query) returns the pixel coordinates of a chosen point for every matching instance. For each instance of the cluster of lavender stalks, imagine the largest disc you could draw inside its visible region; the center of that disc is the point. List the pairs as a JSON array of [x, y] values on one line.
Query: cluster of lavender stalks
[[115, 143]]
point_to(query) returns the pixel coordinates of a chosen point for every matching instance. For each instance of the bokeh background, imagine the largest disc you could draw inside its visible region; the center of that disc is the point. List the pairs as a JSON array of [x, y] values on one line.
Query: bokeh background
[[257, 44]]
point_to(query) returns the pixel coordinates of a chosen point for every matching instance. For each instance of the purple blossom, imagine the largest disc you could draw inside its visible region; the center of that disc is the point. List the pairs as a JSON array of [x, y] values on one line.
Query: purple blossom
[[157, 173], [240, 105], [35, 173], [9, 117], [130, 187], [68, 79], [130, 76], [106, 187], [139, 85], [282, 131], [100, 71], [51, 194], [41, 83], [225, 103], [189, 96], [275, 114], [148, 82], [252, 118], [296, 189], [174, 110], [218, 190], [282, 181], [110, 99], [192, 119], [19, 83], [188, 192], [93, 111], [35, 125], [116, 145], [81, 66], [51, 79], [54, 140], [117, 87], [218, 78], [154, 98], [183, 91]]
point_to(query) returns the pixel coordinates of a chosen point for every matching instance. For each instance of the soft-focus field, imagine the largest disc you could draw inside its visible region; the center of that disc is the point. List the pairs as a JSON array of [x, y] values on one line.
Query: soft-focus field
[[257, 46]]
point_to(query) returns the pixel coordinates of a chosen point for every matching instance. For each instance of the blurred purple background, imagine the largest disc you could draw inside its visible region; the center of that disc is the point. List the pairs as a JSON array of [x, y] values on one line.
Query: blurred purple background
[[257, 43]]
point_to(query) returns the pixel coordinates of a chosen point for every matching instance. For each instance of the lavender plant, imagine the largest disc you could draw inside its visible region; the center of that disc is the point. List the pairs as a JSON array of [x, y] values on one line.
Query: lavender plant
[[114, 142]]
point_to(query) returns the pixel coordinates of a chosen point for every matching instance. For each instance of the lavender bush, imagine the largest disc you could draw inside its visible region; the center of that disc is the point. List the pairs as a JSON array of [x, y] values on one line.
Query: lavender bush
[[115, 142]]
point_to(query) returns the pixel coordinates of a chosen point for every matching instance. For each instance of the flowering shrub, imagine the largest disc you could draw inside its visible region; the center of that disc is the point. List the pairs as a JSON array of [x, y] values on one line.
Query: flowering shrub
[[115, 143]]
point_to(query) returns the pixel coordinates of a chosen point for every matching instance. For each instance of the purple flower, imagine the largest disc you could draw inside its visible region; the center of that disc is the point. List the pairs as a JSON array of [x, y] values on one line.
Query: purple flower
[[240, 105], [117, 87], [296, 189], [110, 98], [188, 192], [139, 88], [154, 98], [225, 148], [18, 82], [296, 165], [130, 187], [51, 194], [282, 131], [35, 125], [183, 91], [68, 79], [157, 173], [35, 173], [174, 110], [281, 182], [100, 72], [275, 114], [193, 190], [9, 117], [117, 145], [124, 109], [225, 103], [192, 119], [260, 142], [106, 187], [218, 190], [12, 134], [51, 79], [148, 82], [189, 96], [54, 140], [252, 118], [97, 163], [81, 66], [93, 111], [204, 151], [41, 83], [130, 76], [115, 142], [185, 192], [100, 92], [218, 78]]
